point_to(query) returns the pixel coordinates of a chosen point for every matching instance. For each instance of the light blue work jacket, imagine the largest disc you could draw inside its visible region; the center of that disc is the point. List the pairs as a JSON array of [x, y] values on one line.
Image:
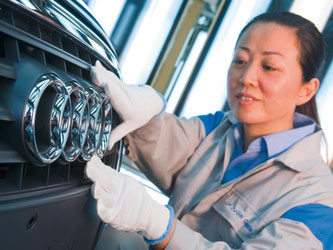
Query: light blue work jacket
[[285, 202]]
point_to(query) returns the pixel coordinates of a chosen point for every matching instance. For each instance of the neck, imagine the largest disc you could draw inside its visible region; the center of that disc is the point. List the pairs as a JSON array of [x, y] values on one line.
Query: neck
[[254, 131]]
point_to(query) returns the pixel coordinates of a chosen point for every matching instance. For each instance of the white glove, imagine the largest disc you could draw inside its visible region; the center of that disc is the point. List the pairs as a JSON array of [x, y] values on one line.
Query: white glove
[[124, 203], [136, 105]]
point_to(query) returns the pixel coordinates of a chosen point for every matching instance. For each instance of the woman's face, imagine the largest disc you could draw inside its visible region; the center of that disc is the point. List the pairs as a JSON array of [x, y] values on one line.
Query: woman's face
[[265, 76]]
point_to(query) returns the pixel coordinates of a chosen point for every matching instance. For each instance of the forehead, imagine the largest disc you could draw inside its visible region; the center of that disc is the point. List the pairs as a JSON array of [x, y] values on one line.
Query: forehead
[[261, 37]]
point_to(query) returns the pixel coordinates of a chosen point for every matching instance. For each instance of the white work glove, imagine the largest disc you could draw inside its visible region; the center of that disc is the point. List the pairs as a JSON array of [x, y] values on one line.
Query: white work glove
[[124, 204], [136, 105]]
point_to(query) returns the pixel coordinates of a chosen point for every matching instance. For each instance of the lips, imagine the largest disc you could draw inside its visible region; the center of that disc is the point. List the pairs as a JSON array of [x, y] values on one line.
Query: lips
[[246, 97]]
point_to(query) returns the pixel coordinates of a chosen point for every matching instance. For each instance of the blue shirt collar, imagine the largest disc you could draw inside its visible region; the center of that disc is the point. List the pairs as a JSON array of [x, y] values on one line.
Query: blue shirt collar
[[257, 145], [277, 143]]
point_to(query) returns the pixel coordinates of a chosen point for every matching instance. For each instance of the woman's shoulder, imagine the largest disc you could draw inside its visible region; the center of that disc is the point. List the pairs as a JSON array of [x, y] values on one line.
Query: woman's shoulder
[[212, 121]]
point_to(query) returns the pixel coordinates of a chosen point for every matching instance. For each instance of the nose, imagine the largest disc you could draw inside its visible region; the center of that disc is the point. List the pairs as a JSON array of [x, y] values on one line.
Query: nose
[[249, 76]]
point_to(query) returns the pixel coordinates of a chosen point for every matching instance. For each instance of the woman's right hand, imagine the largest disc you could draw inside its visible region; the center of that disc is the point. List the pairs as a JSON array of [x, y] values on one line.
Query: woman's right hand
[[136, 105]]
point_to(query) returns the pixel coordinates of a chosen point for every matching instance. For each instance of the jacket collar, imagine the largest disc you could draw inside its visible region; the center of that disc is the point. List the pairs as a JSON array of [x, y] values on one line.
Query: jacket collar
[[231, 117], [303, 156]]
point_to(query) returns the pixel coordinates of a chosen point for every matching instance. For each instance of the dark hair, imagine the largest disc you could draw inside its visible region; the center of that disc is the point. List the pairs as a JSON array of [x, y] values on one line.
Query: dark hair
[[312, 49]]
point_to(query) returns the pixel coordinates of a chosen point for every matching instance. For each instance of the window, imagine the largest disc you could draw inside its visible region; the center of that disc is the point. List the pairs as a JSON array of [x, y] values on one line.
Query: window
[[325, 104], [107, 12], [147, 39], [316, 12], [208, 92], [183, 71]]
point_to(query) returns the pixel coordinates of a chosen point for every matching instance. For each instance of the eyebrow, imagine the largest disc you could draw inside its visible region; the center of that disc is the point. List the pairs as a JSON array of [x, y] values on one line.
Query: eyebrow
[[264, 53], [244, 48]]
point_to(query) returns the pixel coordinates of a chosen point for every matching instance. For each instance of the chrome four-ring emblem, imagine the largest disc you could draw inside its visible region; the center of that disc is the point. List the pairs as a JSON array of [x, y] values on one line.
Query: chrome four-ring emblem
[[65, 121]]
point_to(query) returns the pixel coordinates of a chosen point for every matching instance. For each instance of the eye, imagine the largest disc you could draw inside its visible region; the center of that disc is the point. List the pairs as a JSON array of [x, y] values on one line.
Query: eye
[[238, 61], [268, 67]]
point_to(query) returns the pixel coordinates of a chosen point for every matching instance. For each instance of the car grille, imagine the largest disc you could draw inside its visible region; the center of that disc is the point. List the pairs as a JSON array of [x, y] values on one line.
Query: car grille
[[40, 61]]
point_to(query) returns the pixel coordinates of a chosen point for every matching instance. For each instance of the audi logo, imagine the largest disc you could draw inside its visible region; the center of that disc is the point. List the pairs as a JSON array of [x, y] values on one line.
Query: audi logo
[[65, 121]]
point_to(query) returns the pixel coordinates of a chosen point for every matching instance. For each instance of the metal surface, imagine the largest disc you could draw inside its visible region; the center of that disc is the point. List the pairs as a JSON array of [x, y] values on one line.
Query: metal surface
[[53, 117], [73, 121], [59, 14], [106, 125], [79, 122], [95, 124]]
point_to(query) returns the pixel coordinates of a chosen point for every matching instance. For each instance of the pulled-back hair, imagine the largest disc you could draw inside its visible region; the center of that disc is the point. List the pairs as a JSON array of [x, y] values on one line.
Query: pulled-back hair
[[312, 49]]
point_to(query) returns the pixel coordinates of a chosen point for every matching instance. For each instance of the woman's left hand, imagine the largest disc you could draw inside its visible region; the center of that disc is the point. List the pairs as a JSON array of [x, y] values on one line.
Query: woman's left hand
[[124, 204]]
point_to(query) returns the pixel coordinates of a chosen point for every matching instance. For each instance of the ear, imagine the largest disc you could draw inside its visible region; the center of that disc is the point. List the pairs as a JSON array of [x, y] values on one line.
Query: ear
[[307, 91]]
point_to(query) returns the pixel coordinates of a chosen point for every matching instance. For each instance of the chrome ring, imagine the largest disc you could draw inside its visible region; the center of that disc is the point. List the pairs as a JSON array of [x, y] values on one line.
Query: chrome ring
[[67, 120], [106, 125], [49, 104], [79, 122], [95, 124]]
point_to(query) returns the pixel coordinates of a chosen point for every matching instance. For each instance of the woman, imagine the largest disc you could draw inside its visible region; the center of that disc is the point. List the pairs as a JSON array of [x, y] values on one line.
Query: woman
[[252, 178]]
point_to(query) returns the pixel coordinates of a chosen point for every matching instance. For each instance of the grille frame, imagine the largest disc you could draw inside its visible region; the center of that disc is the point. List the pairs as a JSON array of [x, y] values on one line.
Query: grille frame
[[30, 38], [31, 46]]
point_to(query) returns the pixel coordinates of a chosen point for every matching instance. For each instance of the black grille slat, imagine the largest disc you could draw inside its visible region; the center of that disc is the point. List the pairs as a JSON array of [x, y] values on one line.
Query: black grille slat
[[85, 52], [32, 51], [27, 24], [84, 55], [37, 42], [9, 154], [14, 175], [6, 187], [59, 174], [55, 61], [11, 49], [6, 14], [19, 177], [69, 46], [93, 59], [6, 70], [5, 114], [50, 36], [2, 46], [34, 177], [77, 171], [86, 74], [73, 69]]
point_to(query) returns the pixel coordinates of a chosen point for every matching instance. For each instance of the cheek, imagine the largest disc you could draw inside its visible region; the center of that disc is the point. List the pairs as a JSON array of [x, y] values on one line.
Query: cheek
[[280, 95], [231, 85], [232, 79], [283, 88]]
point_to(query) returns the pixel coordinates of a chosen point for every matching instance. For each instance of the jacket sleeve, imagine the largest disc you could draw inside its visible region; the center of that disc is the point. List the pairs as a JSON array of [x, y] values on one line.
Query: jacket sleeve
[[281, 234], [162, 147]]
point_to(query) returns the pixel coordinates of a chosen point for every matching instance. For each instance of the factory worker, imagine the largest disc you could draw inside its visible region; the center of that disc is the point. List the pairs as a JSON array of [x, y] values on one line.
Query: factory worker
[[249, 178]]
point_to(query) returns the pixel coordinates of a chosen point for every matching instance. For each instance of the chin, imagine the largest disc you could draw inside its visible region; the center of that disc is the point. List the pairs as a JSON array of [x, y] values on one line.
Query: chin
[[247, 117]]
